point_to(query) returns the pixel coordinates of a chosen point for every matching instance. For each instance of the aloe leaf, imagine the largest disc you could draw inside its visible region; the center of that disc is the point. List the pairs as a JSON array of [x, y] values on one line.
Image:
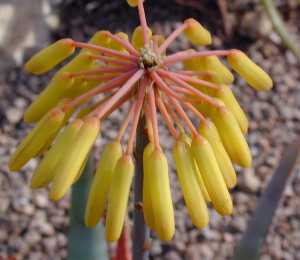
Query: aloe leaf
[[84, 243], [250, 245]]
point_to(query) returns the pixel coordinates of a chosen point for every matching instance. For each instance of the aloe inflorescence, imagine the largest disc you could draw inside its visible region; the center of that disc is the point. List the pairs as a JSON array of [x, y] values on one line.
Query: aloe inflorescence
[[111, 70]]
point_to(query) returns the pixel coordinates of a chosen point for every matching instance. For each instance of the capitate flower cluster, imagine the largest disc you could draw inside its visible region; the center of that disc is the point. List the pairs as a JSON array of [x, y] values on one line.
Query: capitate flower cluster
[[113, 69]]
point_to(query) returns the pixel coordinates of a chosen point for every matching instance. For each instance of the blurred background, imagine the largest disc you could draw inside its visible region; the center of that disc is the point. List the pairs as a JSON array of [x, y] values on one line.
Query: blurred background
[[32, 227]]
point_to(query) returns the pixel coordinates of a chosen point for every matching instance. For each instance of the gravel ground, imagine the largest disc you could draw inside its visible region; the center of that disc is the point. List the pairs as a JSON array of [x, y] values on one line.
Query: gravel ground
[[32, 227]]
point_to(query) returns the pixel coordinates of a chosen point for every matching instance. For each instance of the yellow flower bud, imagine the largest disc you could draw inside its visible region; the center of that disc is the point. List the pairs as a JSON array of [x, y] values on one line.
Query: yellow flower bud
[[133, 3], [69, 166], [232, 137], [201, 184], [223, 75], [210, 132], [60, 86], [230, 133], [160, 39], [101, 183], [44, 131], [57, 89], [211, 64], [80, 86], [161, 199], [255, 76], [212, 176], [225, 94], [137, 38], [67, 114], [49, 57], [118, 197], [187, 174], [196, 33], [147, 204], [116, 45], [45, 171], [100, 38], [195, 64]]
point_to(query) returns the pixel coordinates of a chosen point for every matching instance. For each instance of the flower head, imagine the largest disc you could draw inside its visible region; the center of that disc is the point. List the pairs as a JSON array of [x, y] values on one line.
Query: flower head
[[111, 70]]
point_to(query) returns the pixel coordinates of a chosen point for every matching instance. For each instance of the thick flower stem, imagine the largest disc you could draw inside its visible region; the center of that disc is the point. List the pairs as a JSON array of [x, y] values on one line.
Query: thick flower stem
[[84, 243], [140, 231]]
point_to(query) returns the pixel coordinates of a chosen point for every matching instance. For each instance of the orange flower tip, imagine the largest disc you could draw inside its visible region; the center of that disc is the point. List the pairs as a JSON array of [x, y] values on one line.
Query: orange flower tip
[[190, 22], [227, 209], [133, 3], [93, 122], [50, 56], [100, 38], [56, 114], [126, 158], [221, 106], [67, 75], [254, 75], [69, 41], [196, 33], [77, 123], [199, 140], [106, 33], [55, 196], [64, 105]]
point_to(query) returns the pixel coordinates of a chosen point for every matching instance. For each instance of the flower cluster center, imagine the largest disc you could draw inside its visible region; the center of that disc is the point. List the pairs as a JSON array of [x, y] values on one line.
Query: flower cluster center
[[148, 58]]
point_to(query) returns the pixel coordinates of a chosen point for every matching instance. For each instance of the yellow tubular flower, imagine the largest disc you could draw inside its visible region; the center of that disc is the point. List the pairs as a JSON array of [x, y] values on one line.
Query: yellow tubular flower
[[60, 86], [101, 183], [212, 176], [225, 94], [100, 38], [255, 76], [49, 57], [57, 89], [209, 131], [68, 113], [161, 199], [196, 33], [137, 38], [110, 72], [201, 184], [69, 166], [44, 131], [187, 174], [147, 205], [223, 75], [118, 197], [232, 137], [44, 173], [211, 63]]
